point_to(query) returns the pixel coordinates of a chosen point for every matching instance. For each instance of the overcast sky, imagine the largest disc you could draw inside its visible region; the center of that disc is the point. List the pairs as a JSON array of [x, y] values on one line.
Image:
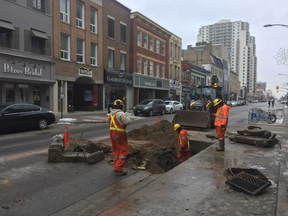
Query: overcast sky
[[186, 16]]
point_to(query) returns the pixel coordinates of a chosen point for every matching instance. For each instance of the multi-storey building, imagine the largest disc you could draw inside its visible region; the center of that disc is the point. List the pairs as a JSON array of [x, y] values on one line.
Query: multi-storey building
[[116, 53], [77, 51], [27, 68], [149, 58], [235, 36], [175, 53]]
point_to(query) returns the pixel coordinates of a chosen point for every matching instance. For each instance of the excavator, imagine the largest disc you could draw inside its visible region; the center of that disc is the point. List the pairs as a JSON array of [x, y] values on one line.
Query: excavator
[[201, 109]]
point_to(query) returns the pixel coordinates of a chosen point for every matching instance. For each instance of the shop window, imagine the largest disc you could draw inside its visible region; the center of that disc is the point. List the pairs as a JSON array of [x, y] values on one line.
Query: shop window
[[145, 66], [5, 38], [123, 33], [65, 47], [151, 43], [157, 69], [151, 71], [93, 20], [123, 62], [38, 45], [145, 40], [64, 11], [139, 37], [80, 14], [111, 58], [139, 64], [80, 51], [111, 28], [157, 46], [163, 71], [94, 54], [10, 95]]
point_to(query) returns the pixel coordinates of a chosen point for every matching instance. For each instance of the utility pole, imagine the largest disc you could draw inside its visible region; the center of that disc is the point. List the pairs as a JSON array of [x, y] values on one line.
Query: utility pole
[[121, 75], [61, 99]]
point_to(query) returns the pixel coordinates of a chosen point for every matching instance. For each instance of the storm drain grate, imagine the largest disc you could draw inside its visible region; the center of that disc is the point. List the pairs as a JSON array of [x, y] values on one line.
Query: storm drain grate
[[248, 183]]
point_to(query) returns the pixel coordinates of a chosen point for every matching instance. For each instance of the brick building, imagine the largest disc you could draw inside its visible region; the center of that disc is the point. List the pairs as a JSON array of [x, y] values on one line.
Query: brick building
[[149, 58], [77, 50], [116, 53]]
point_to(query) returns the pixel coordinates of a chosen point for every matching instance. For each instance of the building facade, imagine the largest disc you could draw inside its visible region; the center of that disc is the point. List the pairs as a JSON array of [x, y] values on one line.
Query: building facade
[[261, 86], [235, 36], [27, 68], [175, 54], [149, 59], [77, 51], [116, 53], [234, 86]]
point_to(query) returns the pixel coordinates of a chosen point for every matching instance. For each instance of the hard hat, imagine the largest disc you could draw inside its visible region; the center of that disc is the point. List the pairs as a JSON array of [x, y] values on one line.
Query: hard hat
[[217, 102], [118, 102], [176, 126]]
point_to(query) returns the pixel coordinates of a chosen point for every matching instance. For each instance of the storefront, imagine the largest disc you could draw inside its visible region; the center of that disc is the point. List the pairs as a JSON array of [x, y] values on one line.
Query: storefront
[[115, 88], [175, 91], [24, 80], [148, 87]]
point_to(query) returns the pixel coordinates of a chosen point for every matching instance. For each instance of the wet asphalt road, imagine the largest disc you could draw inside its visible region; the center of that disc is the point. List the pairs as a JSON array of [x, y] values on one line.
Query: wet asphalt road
[[31, 186]]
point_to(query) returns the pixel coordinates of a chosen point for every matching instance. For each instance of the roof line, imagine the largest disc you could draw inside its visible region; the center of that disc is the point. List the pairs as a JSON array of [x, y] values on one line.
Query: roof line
[[122, 5]]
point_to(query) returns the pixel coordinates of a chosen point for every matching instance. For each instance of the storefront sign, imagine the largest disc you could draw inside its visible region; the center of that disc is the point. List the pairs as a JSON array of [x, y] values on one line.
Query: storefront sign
[[149, 82], [144, 81], [85, 72], [23, 86], [113, 77], [27, 71]]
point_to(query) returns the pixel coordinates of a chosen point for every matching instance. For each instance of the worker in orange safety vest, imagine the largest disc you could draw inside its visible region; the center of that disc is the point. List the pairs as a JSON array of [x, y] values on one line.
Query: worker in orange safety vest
[[221, 122], [184, 144], [118, 122]]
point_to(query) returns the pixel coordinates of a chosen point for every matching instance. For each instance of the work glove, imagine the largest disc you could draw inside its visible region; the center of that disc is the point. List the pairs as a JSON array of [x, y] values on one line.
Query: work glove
[[181, 150], [117, 138], [223, 127]]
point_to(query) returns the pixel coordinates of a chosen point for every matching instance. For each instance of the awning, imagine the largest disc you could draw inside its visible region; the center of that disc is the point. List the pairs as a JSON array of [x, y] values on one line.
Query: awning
[[39, 34], [6, 25]]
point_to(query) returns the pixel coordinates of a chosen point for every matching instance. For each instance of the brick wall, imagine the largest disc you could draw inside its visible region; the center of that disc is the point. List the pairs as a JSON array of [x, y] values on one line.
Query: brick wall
[[121, 14]]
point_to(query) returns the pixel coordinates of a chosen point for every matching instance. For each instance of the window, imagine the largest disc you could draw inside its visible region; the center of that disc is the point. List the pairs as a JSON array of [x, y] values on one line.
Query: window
[[175, 72], [163, 71], [157, 46], [145, 66], [139, 64], [151, 43], [94, 54], [157, 69], [175, 50], [93, 20], [179, 52], [163, 48], [38, 45], [171, 47], [145, 40], [151, 68], [110, 28], [111, 58], [65, 47], [37, 4], [178, 73], [80, 51], [170, 71], [64, 10], [5, 38], [139, 38], [80, 14], [123, 33], [123, 61]]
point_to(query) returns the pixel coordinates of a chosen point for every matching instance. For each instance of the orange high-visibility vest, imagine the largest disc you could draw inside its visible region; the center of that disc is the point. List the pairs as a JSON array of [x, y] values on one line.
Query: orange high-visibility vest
[[222, 115]]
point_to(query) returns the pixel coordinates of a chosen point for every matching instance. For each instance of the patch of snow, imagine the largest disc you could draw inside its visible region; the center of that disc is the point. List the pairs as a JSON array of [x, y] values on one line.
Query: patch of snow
[[258, 167], [274, 185], [67, 121]]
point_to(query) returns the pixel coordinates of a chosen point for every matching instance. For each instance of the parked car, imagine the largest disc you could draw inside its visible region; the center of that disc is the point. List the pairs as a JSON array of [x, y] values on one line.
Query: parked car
[[171, 106], [21, 116], [150, 107], [239, 103], [229, 103], [233, 103]]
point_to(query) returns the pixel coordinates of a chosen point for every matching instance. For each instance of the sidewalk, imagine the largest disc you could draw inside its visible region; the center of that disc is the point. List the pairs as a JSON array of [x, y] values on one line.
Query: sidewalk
[[197, 186]]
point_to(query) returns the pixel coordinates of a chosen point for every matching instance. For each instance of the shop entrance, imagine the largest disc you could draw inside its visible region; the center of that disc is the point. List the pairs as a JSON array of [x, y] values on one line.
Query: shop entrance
[[146, 94]]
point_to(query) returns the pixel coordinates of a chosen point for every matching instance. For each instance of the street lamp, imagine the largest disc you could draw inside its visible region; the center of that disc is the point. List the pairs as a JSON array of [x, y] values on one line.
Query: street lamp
[[283, 75], [271, 25]]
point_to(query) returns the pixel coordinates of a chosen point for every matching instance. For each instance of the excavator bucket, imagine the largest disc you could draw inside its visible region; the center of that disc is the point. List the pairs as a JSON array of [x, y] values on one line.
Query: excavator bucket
[[192, 119]]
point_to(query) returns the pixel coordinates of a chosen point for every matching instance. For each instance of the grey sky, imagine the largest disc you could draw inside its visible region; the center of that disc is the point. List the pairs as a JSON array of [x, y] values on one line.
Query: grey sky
[[186, 16]]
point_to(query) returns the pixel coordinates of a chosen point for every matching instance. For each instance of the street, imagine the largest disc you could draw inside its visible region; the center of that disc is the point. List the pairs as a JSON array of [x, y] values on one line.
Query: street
[[31, 186]]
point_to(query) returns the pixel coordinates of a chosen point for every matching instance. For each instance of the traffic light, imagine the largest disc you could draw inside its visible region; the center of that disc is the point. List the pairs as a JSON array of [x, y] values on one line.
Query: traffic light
[[277, 88]]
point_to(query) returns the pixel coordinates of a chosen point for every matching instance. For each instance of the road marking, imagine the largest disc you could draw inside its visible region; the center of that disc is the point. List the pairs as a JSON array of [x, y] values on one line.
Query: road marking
[[22, 155]]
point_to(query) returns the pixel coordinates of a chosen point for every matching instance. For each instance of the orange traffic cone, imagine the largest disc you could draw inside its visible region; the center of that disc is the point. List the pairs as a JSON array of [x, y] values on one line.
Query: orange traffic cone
[[156, 120], [66, 136]]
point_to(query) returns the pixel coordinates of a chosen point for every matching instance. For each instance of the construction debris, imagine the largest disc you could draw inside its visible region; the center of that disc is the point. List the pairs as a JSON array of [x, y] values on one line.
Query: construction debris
[[248, 181], [255, 136]]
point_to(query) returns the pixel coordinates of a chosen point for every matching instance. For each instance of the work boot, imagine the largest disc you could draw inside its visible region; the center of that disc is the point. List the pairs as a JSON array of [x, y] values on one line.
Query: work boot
[[221, 146], [121, 172]]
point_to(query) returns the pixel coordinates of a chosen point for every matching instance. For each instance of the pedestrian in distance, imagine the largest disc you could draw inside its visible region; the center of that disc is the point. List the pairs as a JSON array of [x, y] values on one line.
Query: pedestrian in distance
[[183, 143], [221, 122], [273, 102], [118, 122], [269, 103]]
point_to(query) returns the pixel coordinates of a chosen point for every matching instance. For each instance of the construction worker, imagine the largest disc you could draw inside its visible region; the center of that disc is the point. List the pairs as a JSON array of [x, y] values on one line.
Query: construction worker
[[221, 122], [118, 122], [183, 142]]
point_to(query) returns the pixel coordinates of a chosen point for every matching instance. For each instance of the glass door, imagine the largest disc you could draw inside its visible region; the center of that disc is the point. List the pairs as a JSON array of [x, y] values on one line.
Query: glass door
[[23, 90]]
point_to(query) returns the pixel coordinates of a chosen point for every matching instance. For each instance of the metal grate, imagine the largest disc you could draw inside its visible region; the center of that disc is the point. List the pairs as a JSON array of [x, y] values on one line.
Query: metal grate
[[248, 184]]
